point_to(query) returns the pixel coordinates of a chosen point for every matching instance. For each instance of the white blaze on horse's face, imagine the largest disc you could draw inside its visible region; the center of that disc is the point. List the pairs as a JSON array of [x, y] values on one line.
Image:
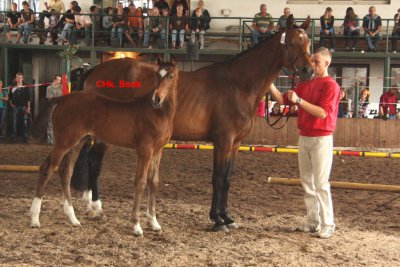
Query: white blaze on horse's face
[[163, 87]]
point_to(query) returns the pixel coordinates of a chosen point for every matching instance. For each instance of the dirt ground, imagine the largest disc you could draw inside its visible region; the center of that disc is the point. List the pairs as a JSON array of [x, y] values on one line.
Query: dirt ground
[[267, 214]]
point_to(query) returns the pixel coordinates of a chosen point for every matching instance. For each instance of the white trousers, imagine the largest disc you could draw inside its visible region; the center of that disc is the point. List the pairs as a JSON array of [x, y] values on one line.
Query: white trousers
[[315, 162]]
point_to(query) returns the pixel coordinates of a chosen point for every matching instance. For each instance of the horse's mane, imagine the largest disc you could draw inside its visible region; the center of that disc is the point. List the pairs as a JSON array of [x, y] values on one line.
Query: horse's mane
[[257, 46]]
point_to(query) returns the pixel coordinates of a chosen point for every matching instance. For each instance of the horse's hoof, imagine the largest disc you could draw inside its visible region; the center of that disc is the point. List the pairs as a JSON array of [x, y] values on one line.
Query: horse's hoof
[[35, 224], [137, 230], [90, 213], [76, 223], [220, 228], [155, 226], [232, 226]]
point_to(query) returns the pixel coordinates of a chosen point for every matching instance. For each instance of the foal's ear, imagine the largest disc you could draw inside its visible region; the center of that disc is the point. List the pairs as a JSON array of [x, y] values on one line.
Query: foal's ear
[[160, 60], [173, 60], [306, 23], [289, 22]]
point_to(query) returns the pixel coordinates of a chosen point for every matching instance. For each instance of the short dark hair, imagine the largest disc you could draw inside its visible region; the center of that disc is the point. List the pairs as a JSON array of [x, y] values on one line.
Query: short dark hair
[[14, 4], [76, 8], [93, 8], [74, 3], [18, 74], [56, 75], [25, 3]]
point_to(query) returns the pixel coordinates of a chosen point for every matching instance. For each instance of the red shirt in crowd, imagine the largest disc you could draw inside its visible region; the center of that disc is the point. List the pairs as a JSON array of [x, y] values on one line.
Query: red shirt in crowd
[[388, 100], [325, 93]]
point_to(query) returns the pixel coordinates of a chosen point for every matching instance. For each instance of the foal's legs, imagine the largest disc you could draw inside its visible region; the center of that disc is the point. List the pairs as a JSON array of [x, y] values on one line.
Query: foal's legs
[[45, 172], [65, 171], [153, 178], [144, 155]]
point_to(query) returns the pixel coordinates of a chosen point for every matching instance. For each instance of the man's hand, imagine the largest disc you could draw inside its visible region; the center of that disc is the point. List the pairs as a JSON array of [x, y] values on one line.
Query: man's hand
[[292, 96]]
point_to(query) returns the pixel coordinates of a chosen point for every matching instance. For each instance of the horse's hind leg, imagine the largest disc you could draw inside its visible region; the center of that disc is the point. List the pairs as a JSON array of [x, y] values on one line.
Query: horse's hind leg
[[96, 156], [65, 171], [144, 154], [153, 178], [45, 172]]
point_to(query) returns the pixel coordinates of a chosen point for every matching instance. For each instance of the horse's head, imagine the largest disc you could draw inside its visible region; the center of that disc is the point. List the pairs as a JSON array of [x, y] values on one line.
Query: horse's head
[[297, 48], [167, 83]]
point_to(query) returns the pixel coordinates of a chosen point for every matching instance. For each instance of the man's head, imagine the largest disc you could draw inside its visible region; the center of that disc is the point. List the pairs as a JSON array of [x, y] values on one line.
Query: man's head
[[57, 79], [132, 8], [179, 8], [73, 3], [394, 89], [286, 11], [14, 7], [25, 4], [321, 59], [19, 77], [94, 10], [263, 8], [76, 9], [372, 11]]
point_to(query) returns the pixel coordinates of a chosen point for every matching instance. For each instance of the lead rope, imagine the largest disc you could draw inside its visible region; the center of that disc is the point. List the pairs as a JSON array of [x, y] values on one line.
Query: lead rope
[[266, 111]]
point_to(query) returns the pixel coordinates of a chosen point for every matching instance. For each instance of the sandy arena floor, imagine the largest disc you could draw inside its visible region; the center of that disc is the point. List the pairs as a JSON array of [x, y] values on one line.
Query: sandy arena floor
[[267, 214]]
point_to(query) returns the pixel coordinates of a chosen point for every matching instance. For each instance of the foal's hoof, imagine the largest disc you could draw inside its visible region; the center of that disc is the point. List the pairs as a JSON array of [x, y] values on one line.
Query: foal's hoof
[[35, 224], [220, 228], [76, 223], [232, 226], [137, 230]]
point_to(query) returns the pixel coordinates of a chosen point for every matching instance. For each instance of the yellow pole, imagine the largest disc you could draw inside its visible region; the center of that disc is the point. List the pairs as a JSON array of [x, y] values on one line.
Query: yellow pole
[[339, 185], [20, 168]]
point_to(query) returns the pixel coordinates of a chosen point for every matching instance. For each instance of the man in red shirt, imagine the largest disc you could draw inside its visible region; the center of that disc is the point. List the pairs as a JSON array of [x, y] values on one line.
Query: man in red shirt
[[387, 104], [318, 102]]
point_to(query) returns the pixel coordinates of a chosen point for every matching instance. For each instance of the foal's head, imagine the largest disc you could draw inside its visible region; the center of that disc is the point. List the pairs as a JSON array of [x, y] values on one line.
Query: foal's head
[[297, 48], [167, 82]]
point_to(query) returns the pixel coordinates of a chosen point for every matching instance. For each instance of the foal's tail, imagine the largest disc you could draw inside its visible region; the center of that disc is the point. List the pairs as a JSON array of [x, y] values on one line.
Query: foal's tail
[[39, 126]]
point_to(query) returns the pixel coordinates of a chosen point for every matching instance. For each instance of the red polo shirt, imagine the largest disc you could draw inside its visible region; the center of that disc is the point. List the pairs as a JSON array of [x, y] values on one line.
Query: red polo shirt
[[325, 93], [388, 100]]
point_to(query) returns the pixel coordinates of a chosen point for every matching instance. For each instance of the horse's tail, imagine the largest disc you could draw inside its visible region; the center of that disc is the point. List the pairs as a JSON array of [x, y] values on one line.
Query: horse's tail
[[81, 81], [39, 126]]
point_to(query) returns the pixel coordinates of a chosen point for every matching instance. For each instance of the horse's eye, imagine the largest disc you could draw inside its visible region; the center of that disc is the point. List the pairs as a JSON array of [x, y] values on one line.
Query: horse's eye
[[171, 76]]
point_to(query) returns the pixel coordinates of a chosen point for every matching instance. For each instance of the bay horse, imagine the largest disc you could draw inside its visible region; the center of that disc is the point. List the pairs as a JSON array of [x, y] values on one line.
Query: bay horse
[[216, 103], [144, 124]]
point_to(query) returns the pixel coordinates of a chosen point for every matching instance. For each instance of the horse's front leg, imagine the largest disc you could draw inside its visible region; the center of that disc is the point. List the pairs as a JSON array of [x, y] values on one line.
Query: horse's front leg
[[65, 172], [229, 222], [144, 155], [221, 167], [153, 178]]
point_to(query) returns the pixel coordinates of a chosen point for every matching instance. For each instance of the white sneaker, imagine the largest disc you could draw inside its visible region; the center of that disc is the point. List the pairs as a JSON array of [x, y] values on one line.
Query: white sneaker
[[308, 228], [326, 233]]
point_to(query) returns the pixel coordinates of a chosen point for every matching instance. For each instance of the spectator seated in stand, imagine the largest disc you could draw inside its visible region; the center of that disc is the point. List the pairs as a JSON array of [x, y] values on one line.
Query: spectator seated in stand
[[372, 24], [27, 23], [363, 104], [396, 31], [13, 21], [54, 19], [262, 25], [178, 26], [327, 31], [388, 103], [135, 26], [351, 28], [152, 27]]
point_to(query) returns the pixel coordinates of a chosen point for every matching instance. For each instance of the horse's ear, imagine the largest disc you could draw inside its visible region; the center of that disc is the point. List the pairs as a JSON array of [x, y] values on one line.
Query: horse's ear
[[173, 60], [289, 22], [306, 23], [160, 60]]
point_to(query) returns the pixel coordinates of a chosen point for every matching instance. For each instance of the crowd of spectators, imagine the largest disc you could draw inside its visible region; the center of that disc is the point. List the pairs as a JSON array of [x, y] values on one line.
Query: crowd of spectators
[[143, 27], [137, 26]]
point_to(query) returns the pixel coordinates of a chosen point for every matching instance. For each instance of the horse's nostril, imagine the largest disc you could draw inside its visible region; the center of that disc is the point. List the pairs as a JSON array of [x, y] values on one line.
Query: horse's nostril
[[157, 99]]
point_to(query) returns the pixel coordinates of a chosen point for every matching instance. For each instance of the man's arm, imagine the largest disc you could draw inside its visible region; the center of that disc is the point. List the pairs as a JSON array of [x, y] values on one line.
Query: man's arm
[[276, 95], [314, 110]]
